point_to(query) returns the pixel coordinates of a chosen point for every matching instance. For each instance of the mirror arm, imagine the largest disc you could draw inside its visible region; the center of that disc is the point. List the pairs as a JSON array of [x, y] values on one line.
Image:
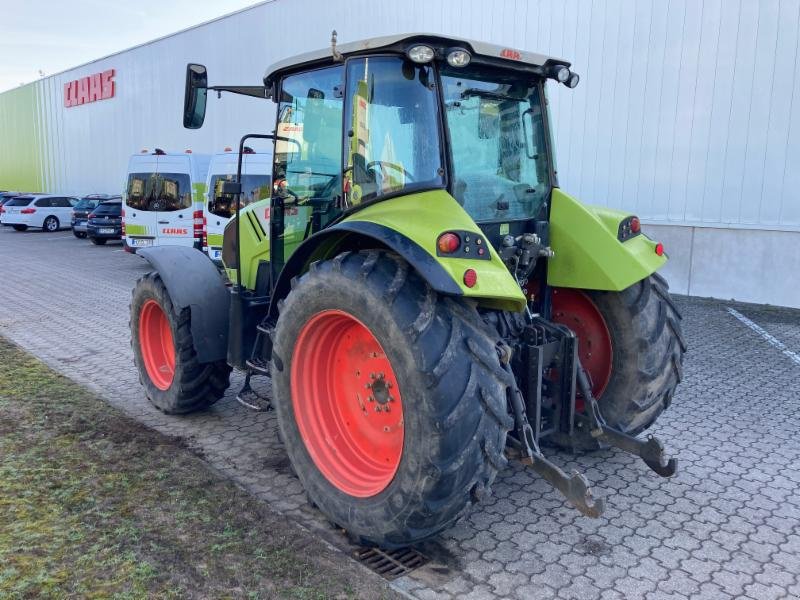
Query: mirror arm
[[256, 91]]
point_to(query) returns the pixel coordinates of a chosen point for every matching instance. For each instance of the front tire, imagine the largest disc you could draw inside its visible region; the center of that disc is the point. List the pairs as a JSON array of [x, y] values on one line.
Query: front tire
[[646, 347], [98, 241], [79, 234], [163, 352], [20, 227], [393, 477]]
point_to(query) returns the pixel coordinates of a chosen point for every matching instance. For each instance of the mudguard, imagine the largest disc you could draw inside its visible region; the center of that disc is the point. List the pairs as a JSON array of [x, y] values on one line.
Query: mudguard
[[588, 254], [410, 226], [193, 281]]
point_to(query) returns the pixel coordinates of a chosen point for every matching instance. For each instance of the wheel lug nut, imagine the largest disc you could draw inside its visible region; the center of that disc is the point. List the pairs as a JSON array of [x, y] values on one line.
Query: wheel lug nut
[[391, 398], [377, 408], [371, 398], [369, 385], [386, 408], [388, 384], [372, 375]]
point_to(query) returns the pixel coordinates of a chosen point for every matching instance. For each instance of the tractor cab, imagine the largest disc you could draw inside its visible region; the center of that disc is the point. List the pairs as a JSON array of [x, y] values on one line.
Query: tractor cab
[[423, 296]]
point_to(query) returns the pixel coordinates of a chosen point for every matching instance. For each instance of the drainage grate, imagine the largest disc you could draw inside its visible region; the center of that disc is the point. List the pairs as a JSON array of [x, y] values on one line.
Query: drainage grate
[[391, 564]]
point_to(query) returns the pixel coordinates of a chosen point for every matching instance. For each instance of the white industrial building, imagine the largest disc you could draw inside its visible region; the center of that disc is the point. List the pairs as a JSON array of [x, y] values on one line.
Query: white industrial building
[[687, 114]]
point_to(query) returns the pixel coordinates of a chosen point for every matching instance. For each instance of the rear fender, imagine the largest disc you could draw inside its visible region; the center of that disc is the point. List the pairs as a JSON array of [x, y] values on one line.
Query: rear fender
[[193, 281], [588, 254], [410, 225]]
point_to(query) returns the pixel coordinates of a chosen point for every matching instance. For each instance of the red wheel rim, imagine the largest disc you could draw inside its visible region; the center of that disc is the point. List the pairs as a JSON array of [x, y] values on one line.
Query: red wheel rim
[[347, 403], [155, 341], [576, 310]]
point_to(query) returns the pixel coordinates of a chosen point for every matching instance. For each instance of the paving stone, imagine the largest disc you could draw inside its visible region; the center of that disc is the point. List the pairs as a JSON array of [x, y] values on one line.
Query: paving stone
[[726, 526]]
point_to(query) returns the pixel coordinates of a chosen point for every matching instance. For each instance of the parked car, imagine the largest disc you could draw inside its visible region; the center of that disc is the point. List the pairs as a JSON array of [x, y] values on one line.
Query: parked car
[[48, 211], [80, 213], [105, 222], [163, 200], [5, 197]]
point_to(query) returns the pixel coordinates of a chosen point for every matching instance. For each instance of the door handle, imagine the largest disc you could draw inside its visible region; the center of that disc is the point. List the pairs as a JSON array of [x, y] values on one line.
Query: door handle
[[163, 222]]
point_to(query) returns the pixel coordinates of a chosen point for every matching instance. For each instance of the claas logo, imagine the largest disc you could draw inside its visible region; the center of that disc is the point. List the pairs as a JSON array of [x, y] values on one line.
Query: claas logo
[[174, 231], [511, 53]]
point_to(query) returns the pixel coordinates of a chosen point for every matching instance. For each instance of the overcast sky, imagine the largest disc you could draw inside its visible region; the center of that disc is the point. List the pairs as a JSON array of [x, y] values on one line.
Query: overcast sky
[[55, 35]]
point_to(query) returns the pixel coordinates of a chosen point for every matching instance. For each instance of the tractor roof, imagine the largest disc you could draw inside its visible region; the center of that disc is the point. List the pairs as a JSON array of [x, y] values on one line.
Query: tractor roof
[[493, 52]]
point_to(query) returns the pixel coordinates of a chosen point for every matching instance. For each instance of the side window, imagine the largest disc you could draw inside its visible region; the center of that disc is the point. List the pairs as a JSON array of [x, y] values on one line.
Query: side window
[[308, 170], [44, 202], [62, 202], [139, 190]]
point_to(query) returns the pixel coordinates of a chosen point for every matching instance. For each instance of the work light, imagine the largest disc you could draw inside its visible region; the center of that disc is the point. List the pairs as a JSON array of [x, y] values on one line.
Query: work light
[[420, 53], [458, 57], [572, 81], [560, 73]]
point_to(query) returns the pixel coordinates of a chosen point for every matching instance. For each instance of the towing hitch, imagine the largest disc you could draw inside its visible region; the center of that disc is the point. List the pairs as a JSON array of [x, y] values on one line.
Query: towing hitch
[[575, 488], [651, 450]]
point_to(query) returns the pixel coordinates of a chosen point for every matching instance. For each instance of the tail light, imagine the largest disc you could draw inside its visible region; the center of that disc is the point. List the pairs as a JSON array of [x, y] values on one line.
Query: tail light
[[448, 243], [199, 227], [122, 216], [660, 249], [205, 234], [27, 211], [2, 210], [470, 278], [91, 216]]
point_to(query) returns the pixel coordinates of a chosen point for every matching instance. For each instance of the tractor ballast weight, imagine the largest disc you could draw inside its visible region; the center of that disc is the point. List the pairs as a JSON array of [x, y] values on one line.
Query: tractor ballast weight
[[426, 300]]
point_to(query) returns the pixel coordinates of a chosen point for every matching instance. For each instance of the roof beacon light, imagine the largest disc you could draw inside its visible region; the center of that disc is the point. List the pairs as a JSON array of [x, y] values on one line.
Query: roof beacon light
[[420, 54], [458, 57], [573, 80], [560, 73]]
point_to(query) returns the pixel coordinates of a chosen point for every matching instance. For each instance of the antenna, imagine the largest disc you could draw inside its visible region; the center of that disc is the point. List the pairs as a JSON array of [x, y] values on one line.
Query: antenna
[[337, 56]]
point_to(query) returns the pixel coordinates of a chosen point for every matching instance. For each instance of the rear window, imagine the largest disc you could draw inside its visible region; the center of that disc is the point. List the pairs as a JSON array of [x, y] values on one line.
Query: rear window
[[110, 208], [86, 204], [159, 191], [19, 202], [254, 188]]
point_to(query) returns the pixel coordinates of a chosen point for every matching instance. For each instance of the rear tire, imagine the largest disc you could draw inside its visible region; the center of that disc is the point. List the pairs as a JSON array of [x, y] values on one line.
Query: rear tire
[[98, 241], [79, 234], [647, 356], [163, 352], [50, 224], [450, 389], [20, 227]]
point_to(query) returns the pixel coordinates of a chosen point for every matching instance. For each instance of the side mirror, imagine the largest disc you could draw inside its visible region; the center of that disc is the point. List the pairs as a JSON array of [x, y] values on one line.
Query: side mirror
[[194, 99]]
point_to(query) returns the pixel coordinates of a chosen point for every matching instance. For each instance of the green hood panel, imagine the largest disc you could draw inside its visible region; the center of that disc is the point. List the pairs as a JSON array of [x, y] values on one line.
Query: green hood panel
[[422, 217], [588, 254]]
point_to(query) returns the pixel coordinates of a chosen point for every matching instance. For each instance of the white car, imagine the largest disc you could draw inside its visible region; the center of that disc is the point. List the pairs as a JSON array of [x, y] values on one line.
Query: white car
[[46, 211]]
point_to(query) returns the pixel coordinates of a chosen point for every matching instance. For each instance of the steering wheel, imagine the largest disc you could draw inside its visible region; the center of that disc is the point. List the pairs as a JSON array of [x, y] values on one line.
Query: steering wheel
[[395, 166]]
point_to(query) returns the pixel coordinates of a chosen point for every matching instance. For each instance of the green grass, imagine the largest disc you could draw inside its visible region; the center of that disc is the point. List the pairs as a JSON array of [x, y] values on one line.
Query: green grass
[[94, 505]]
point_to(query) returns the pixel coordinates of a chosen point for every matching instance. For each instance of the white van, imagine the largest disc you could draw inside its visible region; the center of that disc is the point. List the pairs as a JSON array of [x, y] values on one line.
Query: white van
[[219, 207], [162, 204]]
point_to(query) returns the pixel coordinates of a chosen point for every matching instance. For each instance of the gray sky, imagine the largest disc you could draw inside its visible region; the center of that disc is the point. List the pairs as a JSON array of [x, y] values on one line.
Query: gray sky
[[56, 35]]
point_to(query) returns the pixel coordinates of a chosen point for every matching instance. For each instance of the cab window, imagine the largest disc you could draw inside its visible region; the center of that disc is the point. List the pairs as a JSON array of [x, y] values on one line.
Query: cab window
[[392, 124]]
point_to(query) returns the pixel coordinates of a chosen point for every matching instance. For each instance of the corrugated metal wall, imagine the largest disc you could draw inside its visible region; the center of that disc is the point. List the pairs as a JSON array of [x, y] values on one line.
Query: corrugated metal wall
[[686, 112]]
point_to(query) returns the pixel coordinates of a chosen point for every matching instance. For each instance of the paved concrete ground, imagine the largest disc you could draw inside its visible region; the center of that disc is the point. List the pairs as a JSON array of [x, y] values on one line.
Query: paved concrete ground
[[727, 526]]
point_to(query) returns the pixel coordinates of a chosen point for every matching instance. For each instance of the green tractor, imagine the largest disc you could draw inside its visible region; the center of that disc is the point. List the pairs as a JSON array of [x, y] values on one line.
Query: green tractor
[[426, 300]]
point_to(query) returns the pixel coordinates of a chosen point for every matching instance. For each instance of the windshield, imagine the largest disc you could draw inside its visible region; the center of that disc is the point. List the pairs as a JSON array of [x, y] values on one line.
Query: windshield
[[254, 188], [497, 137]]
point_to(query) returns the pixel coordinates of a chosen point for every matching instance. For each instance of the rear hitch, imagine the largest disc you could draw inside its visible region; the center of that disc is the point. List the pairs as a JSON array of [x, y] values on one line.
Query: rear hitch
[[651, 450], [575, 488]]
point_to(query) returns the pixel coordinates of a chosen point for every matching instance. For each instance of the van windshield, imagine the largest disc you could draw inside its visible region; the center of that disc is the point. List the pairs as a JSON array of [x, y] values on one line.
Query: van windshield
[[159, 191], [254, 188]]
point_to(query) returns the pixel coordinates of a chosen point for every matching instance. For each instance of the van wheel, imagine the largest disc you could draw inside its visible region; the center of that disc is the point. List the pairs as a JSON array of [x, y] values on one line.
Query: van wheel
[[20, 227], [50, 224], [99, 241]]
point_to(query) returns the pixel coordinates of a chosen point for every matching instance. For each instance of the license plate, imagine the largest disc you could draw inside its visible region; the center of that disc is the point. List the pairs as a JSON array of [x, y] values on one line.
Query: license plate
[[110, 230], [215, 254], [139, 243], [80, 223]]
